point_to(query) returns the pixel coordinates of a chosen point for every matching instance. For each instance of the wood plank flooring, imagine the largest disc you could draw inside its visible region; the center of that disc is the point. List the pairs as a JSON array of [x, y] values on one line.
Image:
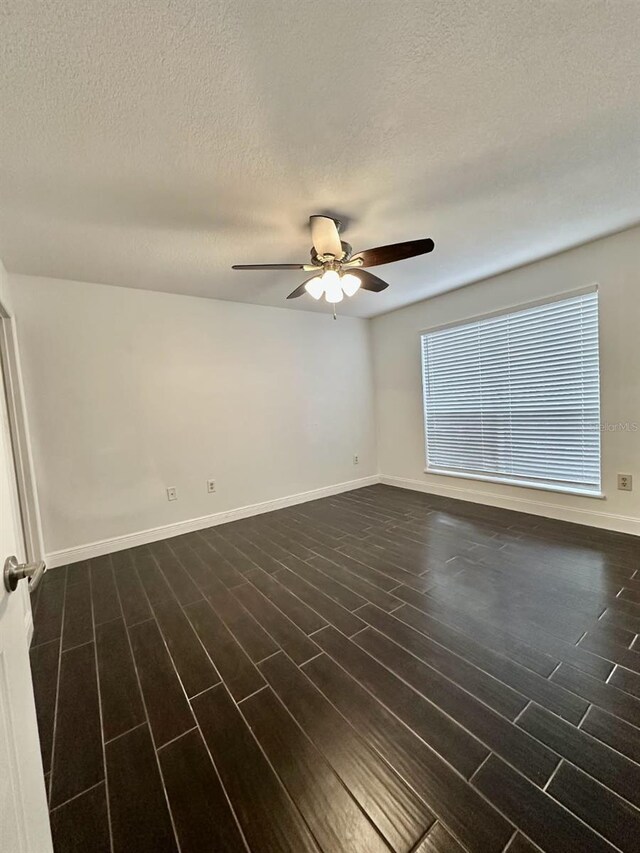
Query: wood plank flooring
[[380, 670]]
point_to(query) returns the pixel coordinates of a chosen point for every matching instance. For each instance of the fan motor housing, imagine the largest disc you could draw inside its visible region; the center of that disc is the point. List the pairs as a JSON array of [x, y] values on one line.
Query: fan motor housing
[[319, 259]]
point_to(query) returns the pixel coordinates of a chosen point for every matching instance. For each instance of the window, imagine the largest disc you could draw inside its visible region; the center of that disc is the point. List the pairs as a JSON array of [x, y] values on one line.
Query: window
[[515, 397]]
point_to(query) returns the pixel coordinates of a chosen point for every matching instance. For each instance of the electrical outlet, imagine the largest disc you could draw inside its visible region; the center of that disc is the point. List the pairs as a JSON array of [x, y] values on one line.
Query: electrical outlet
[[356, 460], [625, 482], [211, 486], [172, 495]]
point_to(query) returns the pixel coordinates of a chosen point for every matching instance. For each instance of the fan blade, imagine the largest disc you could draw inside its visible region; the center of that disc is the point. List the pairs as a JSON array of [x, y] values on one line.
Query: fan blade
[[395, 252], [268, 266], [369, 281], [325, 237], [300, 291]]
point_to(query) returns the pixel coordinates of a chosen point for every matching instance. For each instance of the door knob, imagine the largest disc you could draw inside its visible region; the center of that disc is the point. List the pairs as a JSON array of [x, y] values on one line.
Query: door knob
[[15, 571]]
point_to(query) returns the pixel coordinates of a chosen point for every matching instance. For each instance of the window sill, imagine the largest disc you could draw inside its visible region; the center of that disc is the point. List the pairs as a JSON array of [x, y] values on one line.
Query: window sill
[[523, 484]]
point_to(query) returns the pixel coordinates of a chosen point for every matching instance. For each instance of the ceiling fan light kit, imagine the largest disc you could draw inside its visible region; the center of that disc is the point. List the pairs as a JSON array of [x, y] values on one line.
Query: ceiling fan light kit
[[339, 273], [332, 285], [330, 281]]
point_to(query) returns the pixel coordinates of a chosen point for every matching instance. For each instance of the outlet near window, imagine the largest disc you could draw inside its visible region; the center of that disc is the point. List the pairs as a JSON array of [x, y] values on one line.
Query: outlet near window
[[625, 482]]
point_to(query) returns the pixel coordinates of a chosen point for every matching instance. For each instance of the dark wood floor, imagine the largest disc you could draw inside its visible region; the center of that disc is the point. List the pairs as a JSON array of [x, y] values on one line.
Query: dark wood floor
[[378, 670]]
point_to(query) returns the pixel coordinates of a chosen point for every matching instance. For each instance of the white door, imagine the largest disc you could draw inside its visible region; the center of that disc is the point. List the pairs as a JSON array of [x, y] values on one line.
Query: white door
[[24, 817]]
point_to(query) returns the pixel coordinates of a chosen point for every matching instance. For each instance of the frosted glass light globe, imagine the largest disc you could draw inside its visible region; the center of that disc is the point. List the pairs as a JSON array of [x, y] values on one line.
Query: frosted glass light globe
[[315, 287], [332, 287], [350, 283]]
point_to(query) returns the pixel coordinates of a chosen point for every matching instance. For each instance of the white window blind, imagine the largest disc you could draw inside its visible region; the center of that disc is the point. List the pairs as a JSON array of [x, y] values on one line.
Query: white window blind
[[516, 397]]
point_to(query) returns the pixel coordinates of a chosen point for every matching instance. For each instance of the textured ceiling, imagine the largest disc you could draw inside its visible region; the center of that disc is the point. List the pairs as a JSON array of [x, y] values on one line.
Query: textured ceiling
[[153, 143]]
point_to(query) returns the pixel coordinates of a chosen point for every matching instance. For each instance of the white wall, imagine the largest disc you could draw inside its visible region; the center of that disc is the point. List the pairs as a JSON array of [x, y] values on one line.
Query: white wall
[[614, 263], [130, 391]]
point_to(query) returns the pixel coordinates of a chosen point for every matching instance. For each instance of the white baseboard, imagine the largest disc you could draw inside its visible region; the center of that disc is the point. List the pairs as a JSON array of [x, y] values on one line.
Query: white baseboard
[[592, 518], [143, 537]]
